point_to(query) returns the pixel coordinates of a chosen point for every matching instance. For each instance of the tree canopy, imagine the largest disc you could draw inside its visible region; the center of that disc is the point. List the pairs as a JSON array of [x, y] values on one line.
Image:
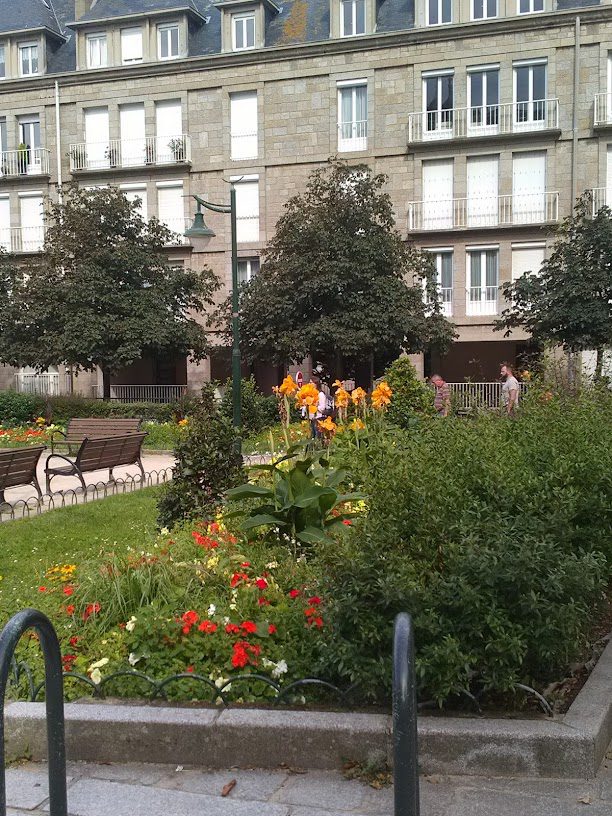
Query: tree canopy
[[568, 302], [338, 282], [103, 292]]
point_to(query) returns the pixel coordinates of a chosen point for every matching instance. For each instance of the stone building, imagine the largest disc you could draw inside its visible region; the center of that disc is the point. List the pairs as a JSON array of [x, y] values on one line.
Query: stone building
[[488, 116]]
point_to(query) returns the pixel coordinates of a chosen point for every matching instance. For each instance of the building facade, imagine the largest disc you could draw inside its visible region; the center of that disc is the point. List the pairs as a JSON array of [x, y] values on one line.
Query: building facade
[[488, 116]]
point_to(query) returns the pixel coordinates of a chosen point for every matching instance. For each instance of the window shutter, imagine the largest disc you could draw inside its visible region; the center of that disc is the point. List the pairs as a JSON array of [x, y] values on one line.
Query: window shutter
[[243, 125], [131, 44]]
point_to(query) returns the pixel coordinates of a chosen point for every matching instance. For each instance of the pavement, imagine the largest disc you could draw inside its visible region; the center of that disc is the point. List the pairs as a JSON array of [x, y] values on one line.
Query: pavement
[[162, 790]]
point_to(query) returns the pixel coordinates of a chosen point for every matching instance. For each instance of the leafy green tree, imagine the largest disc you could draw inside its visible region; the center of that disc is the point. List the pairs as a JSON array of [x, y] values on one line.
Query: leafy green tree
[[103, 293], [569, 301], [338, 282]]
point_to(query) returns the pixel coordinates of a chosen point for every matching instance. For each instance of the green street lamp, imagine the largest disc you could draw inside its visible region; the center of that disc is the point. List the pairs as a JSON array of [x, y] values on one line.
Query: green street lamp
[[200, 231]]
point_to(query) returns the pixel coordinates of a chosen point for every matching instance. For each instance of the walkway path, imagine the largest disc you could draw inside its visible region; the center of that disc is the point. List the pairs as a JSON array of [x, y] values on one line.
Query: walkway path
[[159, 790]]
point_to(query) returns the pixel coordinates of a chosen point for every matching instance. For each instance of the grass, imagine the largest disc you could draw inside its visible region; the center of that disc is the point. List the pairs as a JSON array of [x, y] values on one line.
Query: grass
[[272, 439], [67, 536]]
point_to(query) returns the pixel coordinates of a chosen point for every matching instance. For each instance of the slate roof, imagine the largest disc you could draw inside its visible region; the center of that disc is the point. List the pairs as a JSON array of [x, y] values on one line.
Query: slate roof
[[298, 21]]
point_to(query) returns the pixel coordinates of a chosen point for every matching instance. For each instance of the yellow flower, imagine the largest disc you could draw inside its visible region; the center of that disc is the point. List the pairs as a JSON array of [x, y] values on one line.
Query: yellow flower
[[341, 398], [357, 425], [327, 425], [338, 384], [40, 421], [308, 397], [183, 422], [381, 396], [288, 386], [358, 396]]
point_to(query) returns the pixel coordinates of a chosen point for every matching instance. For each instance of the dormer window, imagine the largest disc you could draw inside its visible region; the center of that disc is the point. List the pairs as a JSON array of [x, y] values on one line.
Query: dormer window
[[352, 18], [97, 51], [28, 59], [131, 45], [168, 41], [2, 62], [243, 31]]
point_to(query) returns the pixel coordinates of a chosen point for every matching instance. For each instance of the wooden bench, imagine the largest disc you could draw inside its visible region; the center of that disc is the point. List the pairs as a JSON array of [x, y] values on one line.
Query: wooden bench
[[78, 428], [98, 454], [18, 467]]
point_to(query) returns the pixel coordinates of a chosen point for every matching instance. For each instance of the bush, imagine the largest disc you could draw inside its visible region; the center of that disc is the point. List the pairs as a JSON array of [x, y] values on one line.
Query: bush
[[258, 411], [73, 405], [19, 409], [208, 463], [495, 534], [410, 396]]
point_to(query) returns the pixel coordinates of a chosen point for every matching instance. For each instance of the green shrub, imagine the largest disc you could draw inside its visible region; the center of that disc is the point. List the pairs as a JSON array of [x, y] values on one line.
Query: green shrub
[[258, 411], [411, 397], [208, 463], [495, 534], [19, 409], [73, 405]]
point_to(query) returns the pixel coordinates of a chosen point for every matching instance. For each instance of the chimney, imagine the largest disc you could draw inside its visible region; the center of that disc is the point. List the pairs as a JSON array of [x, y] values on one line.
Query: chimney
[[81, 7]]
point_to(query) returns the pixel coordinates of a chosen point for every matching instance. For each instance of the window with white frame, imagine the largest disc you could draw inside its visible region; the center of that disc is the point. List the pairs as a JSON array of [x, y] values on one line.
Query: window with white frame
[[483, 99], [530, 95], [530, 6], [31, 235], [352, 18], [243, 31], [3, 138], [5, 223], [438, 104], [131, 45], [247, 209], [484, 9], [247, 269], [171, 209], [168, 41], [2, 61], [483, 280], [527, 258], [439, 11], [443, 259], [136, 194], [352, 116], [28, 59], [243, 125], [97, 51]]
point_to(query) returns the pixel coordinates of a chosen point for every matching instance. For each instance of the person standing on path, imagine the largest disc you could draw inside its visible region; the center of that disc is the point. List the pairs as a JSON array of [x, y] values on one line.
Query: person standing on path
[[442, 398], [321, 408], [510, 390]]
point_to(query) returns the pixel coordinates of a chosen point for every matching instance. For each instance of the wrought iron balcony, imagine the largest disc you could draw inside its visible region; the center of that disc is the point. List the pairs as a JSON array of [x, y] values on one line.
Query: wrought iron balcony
[[22, 239], [601, 197], [488, 211], [29, 161], [602, 113], [125, 153]]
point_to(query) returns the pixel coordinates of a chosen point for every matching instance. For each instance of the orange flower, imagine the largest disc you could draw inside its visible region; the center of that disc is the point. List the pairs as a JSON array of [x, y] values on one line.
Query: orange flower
[[308, 397], [327, 425], [341, 398], [288, 386], [357, 424], [358, 396], [381, 396]]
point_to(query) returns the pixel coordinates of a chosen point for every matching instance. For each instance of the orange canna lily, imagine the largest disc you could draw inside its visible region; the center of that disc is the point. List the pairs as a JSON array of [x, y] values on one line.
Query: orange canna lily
[[288, 386], [327, 425], [381, 396], [358, 396], [357, 424], [341, 398], [308, 397]]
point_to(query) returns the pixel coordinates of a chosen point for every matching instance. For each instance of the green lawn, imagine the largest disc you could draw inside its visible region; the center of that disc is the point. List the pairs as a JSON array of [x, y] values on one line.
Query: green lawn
[[29, 546]]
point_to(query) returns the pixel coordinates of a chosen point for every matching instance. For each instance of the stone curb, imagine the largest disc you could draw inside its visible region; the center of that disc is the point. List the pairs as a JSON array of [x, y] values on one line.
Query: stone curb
[[572, 746]]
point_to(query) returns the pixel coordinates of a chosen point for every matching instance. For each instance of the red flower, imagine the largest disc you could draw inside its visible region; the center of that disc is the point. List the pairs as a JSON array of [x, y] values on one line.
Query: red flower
[[190, 617], [232, 629], [263, 602], [314, 601], [244, 653], [294, 593], [67, 661], [189, 669], [246, 564], [73, 641], [70, 609], [249, 627], [312, 610], [261, 583], [237, 577], [42, 588], [271, 629], [213, 527], [318, 622], [68, 590], [208, 626], [348, 522], [90, 609], [205, 541]]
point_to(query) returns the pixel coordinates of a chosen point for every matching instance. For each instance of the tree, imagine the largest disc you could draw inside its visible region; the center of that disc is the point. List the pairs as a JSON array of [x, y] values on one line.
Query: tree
[[339, 283], [569, 301], [103, 293]]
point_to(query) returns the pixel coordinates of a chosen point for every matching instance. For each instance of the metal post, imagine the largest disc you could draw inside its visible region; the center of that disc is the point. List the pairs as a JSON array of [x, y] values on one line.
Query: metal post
[[236, 361], [54, 696], [405, 746]]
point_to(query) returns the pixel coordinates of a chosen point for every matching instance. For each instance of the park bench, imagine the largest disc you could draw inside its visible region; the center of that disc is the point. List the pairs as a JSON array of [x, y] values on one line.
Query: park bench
[[78, 428], [18, 467], [98, 453]]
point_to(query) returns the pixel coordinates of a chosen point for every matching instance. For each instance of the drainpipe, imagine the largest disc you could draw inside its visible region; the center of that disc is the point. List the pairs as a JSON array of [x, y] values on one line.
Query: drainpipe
[[575, 111], [58, 141]]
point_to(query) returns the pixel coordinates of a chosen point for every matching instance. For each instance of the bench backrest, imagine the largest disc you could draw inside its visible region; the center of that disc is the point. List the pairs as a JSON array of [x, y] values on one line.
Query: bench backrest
[[18, 465], [109, 451], [78, 428]]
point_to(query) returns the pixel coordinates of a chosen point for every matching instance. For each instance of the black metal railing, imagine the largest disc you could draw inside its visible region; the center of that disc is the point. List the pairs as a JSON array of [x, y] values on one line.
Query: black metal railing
[[56, 743], [405, 746]]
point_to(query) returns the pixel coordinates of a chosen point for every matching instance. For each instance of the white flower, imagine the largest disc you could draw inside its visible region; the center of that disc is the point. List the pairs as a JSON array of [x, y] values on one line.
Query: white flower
[[221, 681], [281, 668], [272, 565], [232, 606], [226, 621], [164, 531], [98, 664], [131, 624], [133, 658], [211, 610], [96, 676]]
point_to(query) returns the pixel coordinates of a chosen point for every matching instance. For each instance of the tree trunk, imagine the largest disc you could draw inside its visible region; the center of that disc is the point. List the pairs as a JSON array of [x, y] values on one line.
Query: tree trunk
[[106, 385], [599, 364]]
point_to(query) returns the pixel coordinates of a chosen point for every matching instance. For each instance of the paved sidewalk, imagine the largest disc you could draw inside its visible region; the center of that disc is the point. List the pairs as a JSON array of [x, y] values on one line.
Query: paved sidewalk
[[160, 790]]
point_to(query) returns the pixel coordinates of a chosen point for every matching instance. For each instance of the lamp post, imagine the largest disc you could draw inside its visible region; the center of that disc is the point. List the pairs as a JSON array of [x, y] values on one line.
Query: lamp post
[[199, 231]]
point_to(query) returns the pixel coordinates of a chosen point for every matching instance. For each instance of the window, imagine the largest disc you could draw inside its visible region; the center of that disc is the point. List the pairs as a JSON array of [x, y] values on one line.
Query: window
[[97, 53], [438, 194], [171, 209], [5, 223], [482, 191], [530, 6], [484, 9], [352, 17], [483, 265], [353, 110], [247, 269], [97, 153], [133, 141], [443, 259], [29, 160], [136, 194], [243, 125], [439, 11], [243, 31], [438, 104], [32, 233], [527, 258], [247, 209], [483, 100], [28, 59], [168, 41], [131, 45], [529, 187], [2, 62], [3, 136], [530, 96], [170, 146]]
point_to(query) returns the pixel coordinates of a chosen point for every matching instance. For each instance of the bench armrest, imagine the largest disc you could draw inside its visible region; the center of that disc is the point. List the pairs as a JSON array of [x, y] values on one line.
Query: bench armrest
[[58, 456], [52, 440]]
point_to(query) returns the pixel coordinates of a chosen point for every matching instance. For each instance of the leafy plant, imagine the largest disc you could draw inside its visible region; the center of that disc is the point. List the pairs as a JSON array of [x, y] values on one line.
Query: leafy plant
[[411, 397], [258, 411]]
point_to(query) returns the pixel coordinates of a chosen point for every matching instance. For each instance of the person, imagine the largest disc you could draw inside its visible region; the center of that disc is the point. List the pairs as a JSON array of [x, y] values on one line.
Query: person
[[510, 389], [321, 407], [442, 398]]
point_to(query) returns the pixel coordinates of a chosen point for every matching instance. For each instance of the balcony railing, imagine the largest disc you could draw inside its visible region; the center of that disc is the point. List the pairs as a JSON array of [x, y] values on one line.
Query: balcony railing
[[601, 197], [352, 136], [22, 239], [487, 211], [43, 384], [244, 146], [484, 120], [156, 150], [481, 300], [602, 114], [143, 393], [31, 161], [479, 394]]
